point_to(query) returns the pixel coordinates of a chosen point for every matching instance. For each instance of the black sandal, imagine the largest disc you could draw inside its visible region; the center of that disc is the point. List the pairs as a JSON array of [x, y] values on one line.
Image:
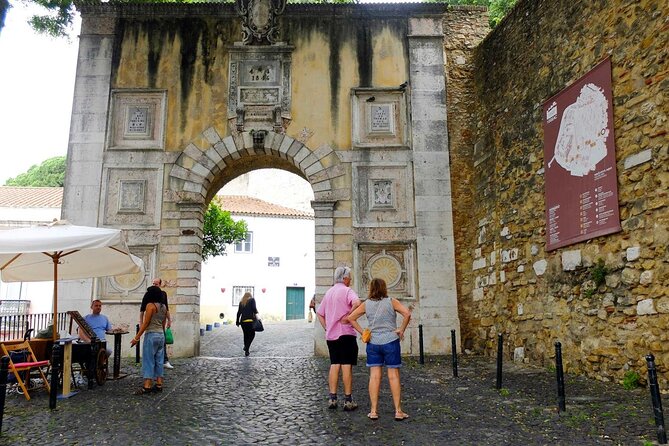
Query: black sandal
[[157, 388], [143, 391]]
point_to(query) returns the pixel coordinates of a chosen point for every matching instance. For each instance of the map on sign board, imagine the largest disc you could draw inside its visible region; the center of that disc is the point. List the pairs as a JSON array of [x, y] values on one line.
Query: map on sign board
[[581, 184], [581, 141]]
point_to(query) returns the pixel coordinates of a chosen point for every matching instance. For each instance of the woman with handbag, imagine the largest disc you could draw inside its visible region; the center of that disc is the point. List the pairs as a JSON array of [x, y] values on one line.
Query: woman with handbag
[[153, 347], [246, 316], [383, 347]]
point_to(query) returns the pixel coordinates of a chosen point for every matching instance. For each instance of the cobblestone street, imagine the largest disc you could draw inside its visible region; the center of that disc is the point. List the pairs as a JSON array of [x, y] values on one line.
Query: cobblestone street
[[278, 396]]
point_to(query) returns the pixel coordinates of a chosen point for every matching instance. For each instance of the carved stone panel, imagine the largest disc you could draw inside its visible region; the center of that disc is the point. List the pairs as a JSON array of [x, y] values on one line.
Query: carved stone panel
[[131, 286], [259, 92], [132, 197], [137, 119], [379, 118], [391, 262], [383, 195]]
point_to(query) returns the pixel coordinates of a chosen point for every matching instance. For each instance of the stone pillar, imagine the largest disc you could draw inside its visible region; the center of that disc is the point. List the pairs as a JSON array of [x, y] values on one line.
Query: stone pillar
[[437, 309], [185, 307], [81, 195], [324, 253]]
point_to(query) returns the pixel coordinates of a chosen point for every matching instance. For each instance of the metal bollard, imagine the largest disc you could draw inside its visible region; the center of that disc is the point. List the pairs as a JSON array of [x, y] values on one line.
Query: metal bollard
[[498, 384], [559, 374], [657, 401], [55, 374], [454, 354], [420, 343], [4, 368], [137, 345]]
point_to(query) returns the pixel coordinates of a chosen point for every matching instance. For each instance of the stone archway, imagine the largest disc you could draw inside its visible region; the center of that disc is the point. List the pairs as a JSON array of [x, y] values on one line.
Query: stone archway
[[152, 76], [199, 172]]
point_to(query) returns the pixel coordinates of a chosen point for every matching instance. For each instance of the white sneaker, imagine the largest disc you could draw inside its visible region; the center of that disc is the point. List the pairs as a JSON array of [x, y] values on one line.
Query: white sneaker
[[167, 365]]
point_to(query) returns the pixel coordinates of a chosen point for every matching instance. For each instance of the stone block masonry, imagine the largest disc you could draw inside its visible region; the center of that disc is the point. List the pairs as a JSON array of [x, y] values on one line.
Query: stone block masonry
[[604, 299]]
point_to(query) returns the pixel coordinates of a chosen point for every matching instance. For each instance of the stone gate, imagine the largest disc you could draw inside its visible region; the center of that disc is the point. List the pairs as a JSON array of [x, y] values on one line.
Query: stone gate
[[172, 101]]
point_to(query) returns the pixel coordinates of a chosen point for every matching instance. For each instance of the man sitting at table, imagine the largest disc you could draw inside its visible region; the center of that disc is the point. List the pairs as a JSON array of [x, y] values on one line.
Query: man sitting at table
[[98, 322]]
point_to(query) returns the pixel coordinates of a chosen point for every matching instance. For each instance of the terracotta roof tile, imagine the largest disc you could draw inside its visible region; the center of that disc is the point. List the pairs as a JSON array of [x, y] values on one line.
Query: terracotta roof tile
[[31, 197], [52, 197], [243, 205]]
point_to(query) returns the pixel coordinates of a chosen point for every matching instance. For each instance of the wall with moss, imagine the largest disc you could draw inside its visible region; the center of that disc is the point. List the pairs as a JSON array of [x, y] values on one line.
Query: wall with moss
[[512, 285], [335, 50]]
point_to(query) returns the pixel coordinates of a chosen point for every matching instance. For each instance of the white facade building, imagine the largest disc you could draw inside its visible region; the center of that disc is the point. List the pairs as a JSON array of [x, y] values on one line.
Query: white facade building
[[276, 264]]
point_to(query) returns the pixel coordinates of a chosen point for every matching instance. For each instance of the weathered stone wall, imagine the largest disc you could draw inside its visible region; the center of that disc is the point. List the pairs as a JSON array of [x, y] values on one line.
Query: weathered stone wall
[[509, 284], [464, 29], [352, 99]]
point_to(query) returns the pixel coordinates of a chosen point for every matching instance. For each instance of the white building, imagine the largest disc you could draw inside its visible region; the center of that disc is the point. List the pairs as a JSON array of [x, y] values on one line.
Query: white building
[[23, 207], [275, 263]]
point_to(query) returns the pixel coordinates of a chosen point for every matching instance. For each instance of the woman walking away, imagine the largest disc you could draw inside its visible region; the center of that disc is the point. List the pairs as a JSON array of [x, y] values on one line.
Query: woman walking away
[[384, 347], [246, 314], [153, 349]]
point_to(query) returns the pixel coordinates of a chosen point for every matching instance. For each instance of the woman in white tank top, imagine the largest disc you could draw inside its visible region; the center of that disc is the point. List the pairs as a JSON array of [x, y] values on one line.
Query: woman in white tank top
[[383, 348]]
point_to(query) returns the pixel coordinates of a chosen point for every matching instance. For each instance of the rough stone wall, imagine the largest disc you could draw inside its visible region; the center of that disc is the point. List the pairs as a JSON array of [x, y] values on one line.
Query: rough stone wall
[[509, 284], [464, 29]]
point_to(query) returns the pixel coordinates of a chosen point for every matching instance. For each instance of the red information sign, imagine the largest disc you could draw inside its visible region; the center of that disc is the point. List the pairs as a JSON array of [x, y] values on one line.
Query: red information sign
[[580, 161]]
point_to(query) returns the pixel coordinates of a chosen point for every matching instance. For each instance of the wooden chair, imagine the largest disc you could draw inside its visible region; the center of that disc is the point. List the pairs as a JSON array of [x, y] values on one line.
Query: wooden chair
[[26, 367]]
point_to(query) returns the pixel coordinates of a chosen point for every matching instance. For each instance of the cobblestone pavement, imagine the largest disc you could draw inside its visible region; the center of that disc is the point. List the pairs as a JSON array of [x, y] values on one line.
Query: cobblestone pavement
[[278, 396]]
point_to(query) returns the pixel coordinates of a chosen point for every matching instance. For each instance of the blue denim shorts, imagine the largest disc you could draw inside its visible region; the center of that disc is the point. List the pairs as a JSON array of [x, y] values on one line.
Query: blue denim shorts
[[385, 354]]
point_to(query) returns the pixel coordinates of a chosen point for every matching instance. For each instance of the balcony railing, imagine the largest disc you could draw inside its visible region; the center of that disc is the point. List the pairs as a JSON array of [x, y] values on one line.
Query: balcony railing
[[14, 326]]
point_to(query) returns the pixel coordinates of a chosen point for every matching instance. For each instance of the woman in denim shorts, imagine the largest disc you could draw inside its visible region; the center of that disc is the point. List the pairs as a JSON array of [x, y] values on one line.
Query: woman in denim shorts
[[384, 347]]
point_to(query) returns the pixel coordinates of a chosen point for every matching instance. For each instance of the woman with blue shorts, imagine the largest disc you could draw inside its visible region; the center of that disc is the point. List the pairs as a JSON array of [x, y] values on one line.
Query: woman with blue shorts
[[384, 347]]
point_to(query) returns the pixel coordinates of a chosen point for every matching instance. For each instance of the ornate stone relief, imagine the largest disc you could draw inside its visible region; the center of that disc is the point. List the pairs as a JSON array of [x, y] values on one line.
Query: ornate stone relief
[[132, 196], [259, 97], [391, 262], [379, 118], [383, 194], [259, 25], [121, 287], [137, 119]]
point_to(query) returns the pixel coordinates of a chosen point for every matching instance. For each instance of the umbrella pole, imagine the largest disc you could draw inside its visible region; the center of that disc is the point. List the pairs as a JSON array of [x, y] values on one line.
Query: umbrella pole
[[55, 298]]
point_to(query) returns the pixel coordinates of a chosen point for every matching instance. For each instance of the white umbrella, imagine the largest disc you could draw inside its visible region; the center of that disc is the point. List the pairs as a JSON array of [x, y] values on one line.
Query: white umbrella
[[62, 251]]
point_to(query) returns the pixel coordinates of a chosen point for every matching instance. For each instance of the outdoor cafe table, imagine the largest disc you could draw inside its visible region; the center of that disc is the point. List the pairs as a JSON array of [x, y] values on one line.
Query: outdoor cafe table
[[66, 343], [117, 353]]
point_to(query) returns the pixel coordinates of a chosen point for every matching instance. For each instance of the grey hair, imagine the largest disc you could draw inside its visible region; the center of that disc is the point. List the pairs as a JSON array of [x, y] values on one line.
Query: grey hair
[[341, 273]]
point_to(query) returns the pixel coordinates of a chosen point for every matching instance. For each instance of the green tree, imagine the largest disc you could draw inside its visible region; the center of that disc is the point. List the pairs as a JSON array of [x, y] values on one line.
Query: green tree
[[497, 9], [219, 230], [56, 20], [51, 173]]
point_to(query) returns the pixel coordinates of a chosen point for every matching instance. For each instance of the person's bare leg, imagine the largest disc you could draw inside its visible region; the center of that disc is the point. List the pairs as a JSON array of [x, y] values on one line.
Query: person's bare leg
[[148, 383], [396, 390], [374, 386], [333, 378], [347, 378]]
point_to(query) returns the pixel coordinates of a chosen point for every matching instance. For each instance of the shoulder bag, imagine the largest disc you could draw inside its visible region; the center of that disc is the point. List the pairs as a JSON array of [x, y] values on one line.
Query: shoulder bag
[[367, 333], [257, 325]]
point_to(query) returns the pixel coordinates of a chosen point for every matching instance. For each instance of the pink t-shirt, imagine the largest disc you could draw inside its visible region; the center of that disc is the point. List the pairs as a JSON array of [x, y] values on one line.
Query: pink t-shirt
[[337, 303]]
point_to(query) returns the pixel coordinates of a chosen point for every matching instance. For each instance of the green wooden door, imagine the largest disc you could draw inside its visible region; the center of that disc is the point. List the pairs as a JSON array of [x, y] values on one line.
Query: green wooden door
[[294, 303]]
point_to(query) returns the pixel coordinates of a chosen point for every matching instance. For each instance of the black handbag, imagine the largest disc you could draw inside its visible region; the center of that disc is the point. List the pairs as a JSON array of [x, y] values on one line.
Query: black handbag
[[257, 325]]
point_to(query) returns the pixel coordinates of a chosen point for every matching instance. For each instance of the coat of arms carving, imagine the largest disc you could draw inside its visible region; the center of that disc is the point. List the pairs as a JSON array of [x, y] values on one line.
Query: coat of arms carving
[[259, 25]]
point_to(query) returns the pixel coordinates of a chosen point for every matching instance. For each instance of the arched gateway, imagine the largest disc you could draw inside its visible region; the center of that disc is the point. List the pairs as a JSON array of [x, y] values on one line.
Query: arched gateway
[[174, 100]]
